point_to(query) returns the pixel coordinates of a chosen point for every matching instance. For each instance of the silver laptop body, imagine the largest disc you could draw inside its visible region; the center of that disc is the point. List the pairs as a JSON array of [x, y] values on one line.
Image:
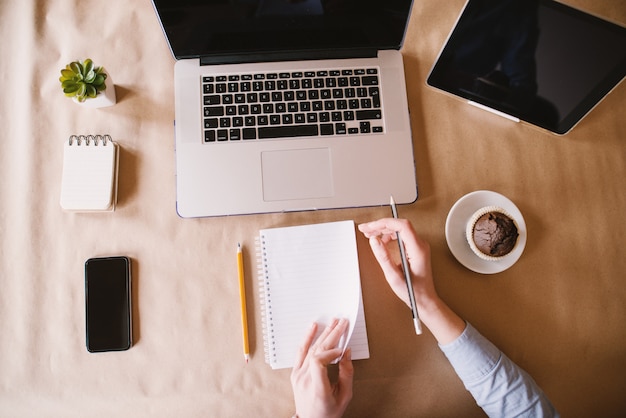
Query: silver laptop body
[[238, 169]]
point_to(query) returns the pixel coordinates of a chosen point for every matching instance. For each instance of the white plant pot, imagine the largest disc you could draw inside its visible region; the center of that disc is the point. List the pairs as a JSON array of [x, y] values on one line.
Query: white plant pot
[[103, 99]]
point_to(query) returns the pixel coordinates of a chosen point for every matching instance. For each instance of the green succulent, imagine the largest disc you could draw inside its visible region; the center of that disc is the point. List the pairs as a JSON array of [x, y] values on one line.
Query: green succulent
[[82, 80]]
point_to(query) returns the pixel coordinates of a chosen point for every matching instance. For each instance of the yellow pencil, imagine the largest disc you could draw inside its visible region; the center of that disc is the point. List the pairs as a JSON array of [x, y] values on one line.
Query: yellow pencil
[[242, 297]]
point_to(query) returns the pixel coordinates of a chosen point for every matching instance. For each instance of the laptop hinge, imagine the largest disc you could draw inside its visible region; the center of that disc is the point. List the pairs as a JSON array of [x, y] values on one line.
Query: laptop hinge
[[288, 56]]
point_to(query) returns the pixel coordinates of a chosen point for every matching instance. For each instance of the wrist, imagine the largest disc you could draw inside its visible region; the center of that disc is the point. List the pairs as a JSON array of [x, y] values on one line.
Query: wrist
[[440, 319]]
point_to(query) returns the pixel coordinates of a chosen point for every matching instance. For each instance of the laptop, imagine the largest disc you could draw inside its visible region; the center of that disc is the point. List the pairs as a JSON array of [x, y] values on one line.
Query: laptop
[[541, 62], [289, 105]]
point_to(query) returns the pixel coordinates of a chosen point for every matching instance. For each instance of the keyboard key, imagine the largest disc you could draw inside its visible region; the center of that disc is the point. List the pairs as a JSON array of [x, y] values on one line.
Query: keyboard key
[[369, 80], [214, 99], [214, 111], [327, 129], [288, 131], [368, 114], [249, 133], [209, 136], [222, 135], [210, 123], [235, 134]]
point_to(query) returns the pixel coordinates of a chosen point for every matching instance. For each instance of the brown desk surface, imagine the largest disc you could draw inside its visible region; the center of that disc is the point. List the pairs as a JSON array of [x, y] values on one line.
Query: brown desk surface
[[559, 312]]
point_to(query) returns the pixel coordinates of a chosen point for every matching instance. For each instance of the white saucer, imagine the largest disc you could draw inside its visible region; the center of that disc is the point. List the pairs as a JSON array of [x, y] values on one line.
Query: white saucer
[[457, 220]]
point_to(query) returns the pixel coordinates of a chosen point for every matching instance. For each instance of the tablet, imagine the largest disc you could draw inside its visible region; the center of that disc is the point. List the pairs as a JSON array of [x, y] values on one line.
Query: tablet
[[537, 61]]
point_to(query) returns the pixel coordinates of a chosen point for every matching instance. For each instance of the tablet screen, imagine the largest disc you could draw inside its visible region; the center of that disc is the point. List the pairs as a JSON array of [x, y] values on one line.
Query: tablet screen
[[538, 60]]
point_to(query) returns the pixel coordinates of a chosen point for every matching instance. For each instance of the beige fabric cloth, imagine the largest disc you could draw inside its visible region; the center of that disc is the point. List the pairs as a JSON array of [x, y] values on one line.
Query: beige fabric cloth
[[559, 312]]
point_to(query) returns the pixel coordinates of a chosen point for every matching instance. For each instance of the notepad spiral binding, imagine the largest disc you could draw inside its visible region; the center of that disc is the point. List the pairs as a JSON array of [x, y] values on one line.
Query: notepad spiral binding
[[265, 300], [89, 139]]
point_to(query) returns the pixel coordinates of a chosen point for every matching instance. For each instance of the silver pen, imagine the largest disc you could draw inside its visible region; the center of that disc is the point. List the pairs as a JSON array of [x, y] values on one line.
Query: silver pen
[[407, 273]]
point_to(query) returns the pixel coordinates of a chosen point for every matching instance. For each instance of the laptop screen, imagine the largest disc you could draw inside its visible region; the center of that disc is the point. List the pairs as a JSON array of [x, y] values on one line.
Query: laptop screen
[[538, 60], [200, 28]]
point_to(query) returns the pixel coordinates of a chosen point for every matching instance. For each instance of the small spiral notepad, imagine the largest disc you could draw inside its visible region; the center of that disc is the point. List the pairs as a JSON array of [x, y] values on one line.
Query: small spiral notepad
[[309, 273], [89, 180]]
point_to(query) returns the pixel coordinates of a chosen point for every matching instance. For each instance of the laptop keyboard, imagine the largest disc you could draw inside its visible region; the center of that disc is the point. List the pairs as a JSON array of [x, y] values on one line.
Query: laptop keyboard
[[291, 104]]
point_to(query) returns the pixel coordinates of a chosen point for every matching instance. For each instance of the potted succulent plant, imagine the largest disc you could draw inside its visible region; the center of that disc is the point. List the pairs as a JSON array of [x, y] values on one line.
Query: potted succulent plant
[[87, 84]]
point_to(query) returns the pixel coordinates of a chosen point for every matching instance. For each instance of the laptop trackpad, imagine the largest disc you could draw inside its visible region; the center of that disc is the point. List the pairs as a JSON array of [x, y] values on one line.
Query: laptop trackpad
[[297, 174]]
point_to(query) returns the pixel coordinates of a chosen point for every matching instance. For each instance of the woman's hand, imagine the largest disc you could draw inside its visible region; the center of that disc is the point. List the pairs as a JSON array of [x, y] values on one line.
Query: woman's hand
[[314, 394], [442, 322]]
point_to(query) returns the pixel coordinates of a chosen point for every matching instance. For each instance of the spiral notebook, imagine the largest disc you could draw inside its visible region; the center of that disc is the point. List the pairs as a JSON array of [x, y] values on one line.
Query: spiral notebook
[[309, 273], [89, 180]]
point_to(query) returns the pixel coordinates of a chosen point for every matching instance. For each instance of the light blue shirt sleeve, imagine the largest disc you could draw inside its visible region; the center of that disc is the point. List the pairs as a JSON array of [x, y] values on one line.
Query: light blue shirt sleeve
[[499, 386]]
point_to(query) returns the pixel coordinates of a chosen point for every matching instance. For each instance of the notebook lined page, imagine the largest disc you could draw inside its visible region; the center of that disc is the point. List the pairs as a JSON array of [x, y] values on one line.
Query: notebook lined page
[[310, 274]]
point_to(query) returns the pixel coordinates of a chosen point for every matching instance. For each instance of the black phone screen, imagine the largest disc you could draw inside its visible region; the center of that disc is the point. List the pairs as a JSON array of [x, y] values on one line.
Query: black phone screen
[[108, 304]]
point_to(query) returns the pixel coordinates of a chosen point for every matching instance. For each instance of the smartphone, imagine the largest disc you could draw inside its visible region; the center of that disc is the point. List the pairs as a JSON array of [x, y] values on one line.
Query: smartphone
[[108, 304]]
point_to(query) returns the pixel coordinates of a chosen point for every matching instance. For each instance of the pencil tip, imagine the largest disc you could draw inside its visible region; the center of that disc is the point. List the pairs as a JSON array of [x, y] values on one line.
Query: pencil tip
[[391, 201]]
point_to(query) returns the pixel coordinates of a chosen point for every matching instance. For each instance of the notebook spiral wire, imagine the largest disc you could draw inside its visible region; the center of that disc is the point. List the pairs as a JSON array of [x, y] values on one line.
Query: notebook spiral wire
[[90, 139]]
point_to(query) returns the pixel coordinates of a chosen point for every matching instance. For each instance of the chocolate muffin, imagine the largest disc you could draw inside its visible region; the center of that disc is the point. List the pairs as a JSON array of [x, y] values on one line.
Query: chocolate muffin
[[492, 233]]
